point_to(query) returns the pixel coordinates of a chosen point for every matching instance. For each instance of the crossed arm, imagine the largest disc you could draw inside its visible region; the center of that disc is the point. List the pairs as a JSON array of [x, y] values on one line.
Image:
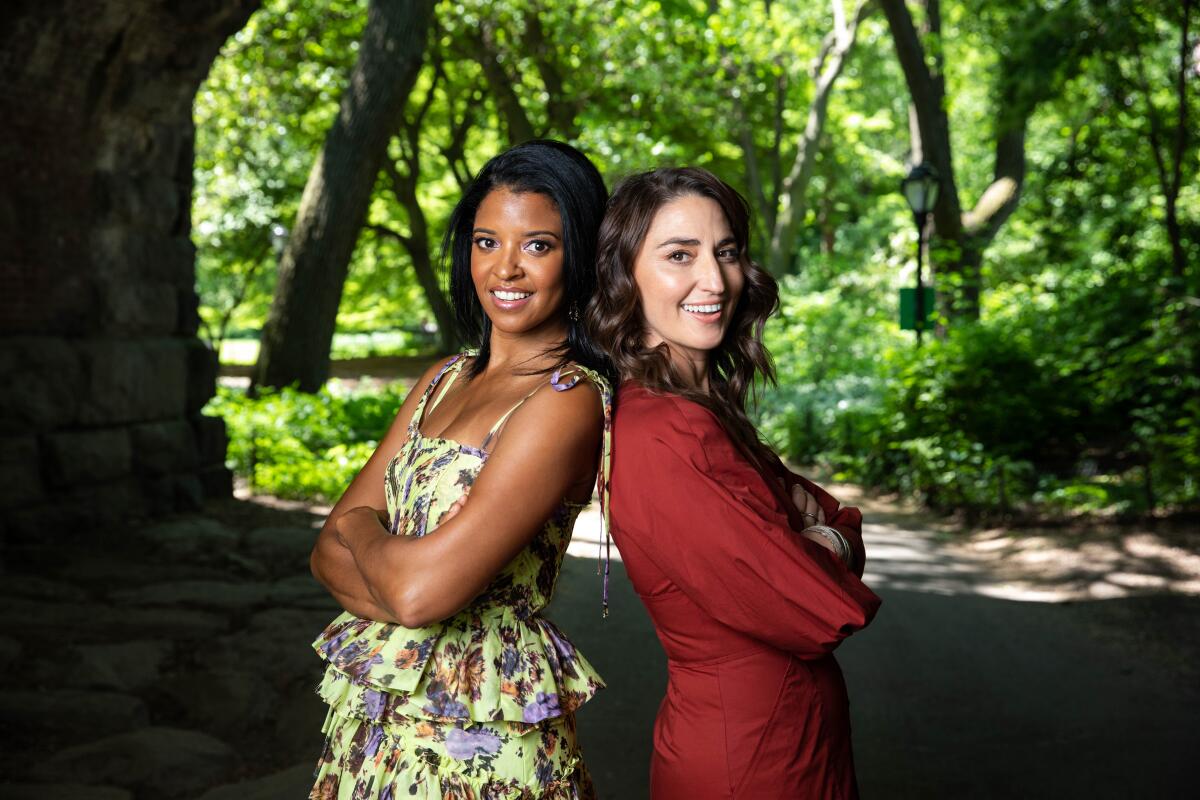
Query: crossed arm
[[548, 448]]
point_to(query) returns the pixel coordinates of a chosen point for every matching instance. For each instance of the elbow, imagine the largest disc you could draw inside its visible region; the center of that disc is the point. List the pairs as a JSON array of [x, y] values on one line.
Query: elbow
[[825, 643], [314, 563], [409, 607], [857, 615]]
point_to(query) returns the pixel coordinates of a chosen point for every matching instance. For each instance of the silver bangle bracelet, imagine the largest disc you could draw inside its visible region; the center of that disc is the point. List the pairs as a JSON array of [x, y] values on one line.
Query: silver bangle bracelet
[[841, 546]]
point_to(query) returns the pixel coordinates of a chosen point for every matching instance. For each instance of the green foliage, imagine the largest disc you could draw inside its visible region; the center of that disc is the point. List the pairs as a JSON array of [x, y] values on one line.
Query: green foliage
[[304, 446], [1078, 389], [1015, 412]]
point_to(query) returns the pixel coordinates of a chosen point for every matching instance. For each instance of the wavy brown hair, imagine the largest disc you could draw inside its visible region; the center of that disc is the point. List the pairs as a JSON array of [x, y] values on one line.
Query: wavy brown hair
[[617, 324]]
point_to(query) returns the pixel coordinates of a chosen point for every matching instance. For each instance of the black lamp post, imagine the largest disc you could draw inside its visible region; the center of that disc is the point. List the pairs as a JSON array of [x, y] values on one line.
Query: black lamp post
[[921, 191]]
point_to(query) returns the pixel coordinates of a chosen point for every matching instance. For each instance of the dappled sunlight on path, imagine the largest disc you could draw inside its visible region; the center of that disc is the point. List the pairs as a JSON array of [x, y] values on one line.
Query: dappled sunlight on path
[[917, 551]]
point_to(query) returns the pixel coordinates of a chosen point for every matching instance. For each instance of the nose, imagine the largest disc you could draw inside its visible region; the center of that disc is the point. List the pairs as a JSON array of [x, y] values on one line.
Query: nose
[[710, 278], [508, 265]]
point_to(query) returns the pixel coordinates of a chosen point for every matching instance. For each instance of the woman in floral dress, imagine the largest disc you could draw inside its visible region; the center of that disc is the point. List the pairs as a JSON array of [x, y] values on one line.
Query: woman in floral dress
[[443, 679]]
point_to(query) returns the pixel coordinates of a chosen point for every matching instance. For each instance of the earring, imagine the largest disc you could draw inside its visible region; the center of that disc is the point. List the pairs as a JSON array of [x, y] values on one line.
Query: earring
[[574, 312]]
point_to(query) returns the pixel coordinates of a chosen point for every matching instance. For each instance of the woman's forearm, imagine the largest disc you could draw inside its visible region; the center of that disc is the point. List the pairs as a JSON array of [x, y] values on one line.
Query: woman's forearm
[[334, 567], [383, 568]]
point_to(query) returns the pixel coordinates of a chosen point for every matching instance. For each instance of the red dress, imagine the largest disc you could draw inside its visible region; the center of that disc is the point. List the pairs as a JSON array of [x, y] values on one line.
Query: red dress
[[747, 610]]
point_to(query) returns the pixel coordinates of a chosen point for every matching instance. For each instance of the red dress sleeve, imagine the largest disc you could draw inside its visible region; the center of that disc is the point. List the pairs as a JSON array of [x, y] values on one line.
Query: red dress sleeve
[[708, 521]]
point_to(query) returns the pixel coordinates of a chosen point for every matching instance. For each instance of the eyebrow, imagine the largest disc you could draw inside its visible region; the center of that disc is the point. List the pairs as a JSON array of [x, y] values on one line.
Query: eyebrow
[[696, 242], [526, 233]]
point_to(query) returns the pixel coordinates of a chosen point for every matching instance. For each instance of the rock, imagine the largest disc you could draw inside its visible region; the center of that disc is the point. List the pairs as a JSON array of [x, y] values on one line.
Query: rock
[[282, 550], [70, 710], [164, 447], [202, 368], [286, 651], [286, 785], [61, 791], [130, 380], [76, 457], [113, 569], [223, 595], [10, 651], [189, 539], [20, 482], [298, 724], [189, 493], [78, 513], [216, 481], [128, 666], [212, 440], [296, 623], [228, 702], [154, 762], [303, 591], [131, 308], [49, 391], [95, 623], [35, 587]]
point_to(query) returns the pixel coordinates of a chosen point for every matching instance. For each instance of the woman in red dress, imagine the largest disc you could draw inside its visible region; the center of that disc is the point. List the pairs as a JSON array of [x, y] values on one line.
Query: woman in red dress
[[751, 574]]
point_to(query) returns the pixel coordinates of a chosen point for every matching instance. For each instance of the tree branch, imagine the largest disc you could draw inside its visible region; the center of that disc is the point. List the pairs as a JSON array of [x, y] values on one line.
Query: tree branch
[[1181, 132], [383, 230], [559, 109], [999, 200], [792, 195], [520, 129]]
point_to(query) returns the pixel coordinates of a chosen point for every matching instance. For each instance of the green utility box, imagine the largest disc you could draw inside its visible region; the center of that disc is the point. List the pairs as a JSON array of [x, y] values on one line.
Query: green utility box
[[908, 308]]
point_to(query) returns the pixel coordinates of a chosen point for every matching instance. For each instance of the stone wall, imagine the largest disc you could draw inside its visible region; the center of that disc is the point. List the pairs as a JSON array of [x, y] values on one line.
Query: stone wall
[[102, 377]]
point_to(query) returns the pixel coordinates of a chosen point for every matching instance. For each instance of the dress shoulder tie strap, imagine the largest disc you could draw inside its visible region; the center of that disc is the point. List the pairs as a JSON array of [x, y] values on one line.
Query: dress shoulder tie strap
[[451, 368], [563, 379], [504, 418]]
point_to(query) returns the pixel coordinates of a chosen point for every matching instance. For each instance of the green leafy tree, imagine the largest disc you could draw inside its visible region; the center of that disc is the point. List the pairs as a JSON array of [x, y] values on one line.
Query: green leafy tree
[[312, 272]]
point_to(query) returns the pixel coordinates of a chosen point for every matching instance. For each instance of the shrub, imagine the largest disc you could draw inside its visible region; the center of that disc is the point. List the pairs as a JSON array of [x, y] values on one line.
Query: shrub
[[304, 446]]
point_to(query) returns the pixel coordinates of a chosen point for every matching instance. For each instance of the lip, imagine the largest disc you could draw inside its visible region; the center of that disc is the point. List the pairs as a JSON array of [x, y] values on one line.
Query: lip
[[709, 318], [509, 305]]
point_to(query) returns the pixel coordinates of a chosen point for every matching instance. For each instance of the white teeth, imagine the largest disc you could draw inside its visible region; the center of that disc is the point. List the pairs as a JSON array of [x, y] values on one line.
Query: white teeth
[[708, 309], [511, 295]]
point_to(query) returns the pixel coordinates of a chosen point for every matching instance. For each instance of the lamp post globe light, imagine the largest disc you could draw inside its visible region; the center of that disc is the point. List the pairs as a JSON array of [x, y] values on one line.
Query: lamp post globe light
[[920, 188]]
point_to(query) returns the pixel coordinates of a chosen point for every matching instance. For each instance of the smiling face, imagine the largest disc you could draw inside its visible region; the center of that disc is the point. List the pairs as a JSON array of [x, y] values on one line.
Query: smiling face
[[689, 278], [517, 262]]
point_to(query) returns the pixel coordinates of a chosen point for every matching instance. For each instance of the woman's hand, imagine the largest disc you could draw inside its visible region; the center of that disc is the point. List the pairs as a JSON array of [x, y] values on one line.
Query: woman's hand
[[813, 514], [809, 508], [359, 521]]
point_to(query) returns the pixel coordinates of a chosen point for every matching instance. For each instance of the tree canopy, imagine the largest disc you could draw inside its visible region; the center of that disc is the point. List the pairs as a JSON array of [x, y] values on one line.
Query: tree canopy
[[1064, 247]]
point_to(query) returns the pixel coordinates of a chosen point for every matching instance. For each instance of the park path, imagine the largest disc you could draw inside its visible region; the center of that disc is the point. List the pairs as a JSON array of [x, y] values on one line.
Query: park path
[[958, 690], [174, 662]]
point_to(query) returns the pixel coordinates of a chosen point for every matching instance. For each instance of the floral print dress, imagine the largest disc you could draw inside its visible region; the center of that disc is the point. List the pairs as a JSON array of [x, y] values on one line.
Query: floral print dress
[[480, 705]]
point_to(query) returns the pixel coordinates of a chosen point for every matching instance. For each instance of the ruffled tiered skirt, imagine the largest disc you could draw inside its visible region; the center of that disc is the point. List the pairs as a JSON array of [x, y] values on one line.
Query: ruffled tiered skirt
[[480, 707]]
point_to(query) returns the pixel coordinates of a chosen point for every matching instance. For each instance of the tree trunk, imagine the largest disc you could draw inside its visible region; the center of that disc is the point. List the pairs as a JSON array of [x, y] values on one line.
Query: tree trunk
[[299, 331], [961, 237], [791, 204]]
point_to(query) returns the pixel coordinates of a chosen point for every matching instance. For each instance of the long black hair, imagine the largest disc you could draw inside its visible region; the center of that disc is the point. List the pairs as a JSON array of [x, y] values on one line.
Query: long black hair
[[573, 184]]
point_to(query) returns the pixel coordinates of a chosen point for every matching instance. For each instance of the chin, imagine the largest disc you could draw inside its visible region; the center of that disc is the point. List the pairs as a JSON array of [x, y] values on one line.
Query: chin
[[517, 326], [710, 342]]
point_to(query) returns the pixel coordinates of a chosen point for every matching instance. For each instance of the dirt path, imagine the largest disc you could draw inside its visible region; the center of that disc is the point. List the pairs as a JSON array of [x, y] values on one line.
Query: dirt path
[[970, 683]]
